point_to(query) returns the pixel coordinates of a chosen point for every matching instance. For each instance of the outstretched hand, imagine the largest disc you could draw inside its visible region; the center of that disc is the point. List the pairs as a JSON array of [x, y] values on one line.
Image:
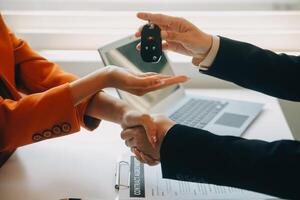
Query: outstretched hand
[[139, 83]]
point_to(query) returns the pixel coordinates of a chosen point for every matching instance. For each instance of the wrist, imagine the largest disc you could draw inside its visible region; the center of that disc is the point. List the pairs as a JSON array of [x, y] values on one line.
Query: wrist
[[165, 129], [123, 111], [204, 47], [164, 124], [207, 42], [210, 57], [106, 75], [87, 86], [106, 107]]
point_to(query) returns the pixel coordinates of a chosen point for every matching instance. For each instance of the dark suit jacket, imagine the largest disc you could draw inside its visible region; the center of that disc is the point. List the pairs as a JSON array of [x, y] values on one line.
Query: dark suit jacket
[[273, 168]]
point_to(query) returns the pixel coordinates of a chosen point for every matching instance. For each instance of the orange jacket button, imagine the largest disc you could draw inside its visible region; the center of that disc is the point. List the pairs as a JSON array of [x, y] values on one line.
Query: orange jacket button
[[66, 127], [37, 137], [47, 134], [56, 130]]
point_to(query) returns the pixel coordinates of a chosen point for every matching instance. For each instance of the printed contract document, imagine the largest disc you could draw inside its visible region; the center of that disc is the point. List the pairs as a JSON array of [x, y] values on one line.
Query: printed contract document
[[146, 182]]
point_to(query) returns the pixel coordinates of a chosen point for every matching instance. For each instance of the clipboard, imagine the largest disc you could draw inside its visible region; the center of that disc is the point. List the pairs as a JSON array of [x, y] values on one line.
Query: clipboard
[[136, 181], [130, 182]]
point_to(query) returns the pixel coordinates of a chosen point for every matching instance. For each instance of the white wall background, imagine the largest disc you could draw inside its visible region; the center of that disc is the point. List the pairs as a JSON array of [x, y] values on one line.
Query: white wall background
[[69, 31]]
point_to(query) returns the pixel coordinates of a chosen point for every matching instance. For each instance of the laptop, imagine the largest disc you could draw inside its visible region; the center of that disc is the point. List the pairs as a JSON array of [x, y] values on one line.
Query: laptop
[[217, 115]]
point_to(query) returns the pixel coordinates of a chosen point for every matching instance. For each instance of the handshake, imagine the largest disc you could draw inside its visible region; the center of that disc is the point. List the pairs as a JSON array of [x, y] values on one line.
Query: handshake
[[144, 135]]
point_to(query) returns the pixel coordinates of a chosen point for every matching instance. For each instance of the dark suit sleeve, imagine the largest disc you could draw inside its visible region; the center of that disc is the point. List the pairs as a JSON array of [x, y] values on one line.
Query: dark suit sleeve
[[196, 155], [258, 69]]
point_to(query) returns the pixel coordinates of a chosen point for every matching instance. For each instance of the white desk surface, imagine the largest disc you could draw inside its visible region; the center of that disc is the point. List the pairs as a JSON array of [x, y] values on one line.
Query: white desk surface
[[83, 164]]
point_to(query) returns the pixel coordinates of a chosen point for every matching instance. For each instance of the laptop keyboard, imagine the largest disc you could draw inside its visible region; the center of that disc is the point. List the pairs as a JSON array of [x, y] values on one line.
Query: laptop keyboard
[[197, 112]]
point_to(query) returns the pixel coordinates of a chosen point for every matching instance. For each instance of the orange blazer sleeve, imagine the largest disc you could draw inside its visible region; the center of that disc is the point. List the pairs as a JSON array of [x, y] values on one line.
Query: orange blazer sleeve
[[36, 74], [37, 117]]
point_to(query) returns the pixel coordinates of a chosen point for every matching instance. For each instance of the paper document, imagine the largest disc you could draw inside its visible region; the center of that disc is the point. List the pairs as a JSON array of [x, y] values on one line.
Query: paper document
[[146, 182]]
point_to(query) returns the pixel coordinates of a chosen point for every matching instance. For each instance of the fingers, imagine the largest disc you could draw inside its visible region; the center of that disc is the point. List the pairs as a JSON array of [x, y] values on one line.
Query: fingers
[[164, 83], [147, 74], [132, 149], [141, 81], [165, 22], [155, 75], [127, 134], [139, 32], [170, 79], [138, 155], [136, 119], [130, 143], [175, 79], [162, 27], [150, 128], [196, 61], [164, 46], [146, 81], [130, 135], [167, 35], [138, 47], [147, 159], [168, 82], [159, 19]]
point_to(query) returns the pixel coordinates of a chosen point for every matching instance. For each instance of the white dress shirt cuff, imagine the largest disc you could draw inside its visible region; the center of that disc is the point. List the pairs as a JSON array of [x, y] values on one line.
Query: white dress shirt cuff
[[210, 58]]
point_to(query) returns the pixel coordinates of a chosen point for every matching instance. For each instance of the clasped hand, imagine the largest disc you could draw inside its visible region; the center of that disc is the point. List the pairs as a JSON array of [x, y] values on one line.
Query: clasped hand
[[139, 140]]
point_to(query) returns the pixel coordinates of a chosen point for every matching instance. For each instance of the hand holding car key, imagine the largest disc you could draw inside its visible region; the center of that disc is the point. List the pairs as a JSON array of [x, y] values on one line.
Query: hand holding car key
[[179, 35], [151, 46]]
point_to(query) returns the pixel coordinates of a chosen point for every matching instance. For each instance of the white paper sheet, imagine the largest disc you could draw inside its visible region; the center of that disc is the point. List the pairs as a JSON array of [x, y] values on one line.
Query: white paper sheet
[[147, 183]]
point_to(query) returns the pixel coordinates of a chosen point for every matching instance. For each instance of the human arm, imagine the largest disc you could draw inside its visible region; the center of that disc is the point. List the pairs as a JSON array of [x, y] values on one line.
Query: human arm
[[257, 69], [239, 62], [103, 106], [197, 155], [55, 102], [106, 107], [45, 113], [37, 117], [36, 74], [266, 167]]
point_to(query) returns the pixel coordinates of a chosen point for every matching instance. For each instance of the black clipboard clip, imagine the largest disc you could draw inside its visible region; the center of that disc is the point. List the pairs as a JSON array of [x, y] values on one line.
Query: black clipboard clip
[[118, 184]]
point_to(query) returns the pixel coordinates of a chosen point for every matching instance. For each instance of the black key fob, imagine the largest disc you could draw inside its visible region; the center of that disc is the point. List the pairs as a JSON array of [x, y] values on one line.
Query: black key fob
[[151, 47]]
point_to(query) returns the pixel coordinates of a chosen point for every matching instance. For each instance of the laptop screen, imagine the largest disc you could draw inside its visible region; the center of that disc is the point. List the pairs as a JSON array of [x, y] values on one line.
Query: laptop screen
[[126, 55]]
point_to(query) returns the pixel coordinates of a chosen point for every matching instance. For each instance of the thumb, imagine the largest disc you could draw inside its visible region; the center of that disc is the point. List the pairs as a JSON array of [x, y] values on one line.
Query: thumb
[[151, 131]]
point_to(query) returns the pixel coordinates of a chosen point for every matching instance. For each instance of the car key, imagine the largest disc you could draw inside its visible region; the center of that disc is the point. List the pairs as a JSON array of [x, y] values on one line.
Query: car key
[[151, 47]]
